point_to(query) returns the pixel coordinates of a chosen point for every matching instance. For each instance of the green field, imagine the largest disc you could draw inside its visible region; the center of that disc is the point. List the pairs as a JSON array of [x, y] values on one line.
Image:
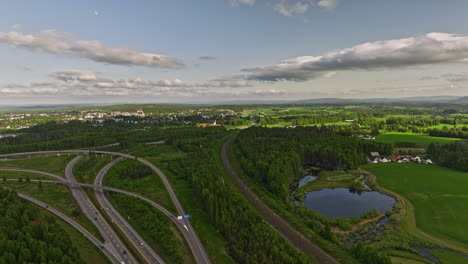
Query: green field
[[439, 197], [416, 138], [51, 164], [449, 258], [150, 186]]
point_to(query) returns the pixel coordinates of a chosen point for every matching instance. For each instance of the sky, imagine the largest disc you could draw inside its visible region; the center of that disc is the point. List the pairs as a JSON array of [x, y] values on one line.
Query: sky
[[155, 51]]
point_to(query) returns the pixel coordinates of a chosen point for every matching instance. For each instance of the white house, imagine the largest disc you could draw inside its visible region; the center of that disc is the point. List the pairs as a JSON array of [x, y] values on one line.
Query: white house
[[384, 160], [427, 161]]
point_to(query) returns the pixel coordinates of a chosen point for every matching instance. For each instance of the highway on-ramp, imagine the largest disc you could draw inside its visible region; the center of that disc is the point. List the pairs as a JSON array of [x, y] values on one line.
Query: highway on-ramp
[[137, 241], [77, 226], [112, 241], [192, 238]]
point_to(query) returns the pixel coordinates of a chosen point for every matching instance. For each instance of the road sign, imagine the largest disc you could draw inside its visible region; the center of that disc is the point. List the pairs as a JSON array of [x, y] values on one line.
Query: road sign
[[179, 217], [186, 216]]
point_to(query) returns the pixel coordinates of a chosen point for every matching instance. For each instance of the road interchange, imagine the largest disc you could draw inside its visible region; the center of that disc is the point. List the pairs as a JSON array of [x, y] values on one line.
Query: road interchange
[[182, 223]]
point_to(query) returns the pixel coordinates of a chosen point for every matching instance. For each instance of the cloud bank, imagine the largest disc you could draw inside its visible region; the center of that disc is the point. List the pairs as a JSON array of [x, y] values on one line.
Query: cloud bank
[[63, 44], [433, 48]]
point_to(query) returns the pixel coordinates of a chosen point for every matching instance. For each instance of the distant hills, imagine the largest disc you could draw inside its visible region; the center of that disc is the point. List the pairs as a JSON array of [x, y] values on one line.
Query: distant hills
[[435, 101]]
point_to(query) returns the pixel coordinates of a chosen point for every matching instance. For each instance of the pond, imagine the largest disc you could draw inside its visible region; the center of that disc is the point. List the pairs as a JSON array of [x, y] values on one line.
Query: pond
[[4, 136], [342, 202]]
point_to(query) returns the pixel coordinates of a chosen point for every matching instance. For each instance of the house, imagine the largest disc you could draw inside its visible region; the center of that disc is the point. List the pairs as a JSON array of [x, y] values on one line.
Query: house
[[404, 160], [416, 159], [395, 157], [374, 154], [427, 161], [208, 124], [384, 160]]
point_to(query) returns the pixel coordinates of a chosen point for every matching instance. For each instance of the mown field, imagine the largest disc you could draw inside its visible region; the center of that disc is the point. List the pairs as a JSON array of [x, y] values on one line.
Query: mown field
[[416, 138], [439, 197], [51, 164]]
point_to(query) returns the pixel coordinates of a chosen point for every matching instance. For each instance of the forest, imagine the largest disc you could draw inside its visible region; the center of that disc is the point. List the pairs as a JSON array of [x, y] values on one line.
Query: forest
[[249, 239], [275, 157], [28, 235], [453, 155]]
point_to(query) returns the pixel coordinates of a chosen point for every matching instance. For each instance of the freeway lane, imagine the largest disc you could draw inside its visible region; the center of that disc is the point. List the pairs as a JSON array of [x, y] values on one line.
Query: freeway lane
[[90, 211], [145, 250], [192, 239], [77, 226]]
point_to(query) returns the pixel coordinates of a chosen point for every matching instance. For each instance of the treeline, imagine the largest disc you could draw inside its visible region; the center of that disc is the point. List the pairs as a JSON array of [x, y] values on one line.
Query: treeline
[[461, 132], [248, 238], [453, 155], [135, 170], [75, 134], [368, 255], [28, 236], [274, 157], [155, 227]]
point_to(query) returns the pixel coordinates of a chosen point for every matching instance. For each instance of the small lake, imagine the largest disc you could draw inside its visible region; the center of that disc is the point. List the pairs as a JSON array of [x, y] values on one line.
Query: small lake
[[4, 136], [341, 202]]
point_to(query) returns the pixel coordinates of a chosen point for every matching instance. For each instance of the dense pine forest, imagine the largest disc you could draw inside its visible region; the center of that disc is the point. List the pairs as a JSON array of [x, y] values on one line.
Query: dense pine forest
[[27, 235]]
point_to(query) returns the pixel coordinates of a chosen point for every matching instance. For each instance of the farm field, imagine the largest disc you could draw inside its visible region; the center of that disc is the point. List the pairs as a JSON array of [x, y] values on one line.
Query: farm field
[[416, 138], [437, 194]]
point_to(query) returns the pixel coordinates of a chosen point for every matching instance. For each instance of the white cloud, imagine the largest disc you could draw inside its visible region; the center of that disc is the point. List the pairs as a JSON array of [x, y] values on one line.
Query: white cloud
[[287, 8], [456, 77], [328, 4], [433, 48], [207, 58], [234, 81], [62, 43], [242, 2], [270, 92]]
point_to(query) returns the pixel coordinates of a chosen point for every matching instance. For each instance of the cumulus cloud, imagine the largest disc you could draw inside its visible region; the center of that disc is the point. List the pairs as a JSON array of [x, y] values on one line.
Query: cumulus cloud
[[90, 83], [456, 77], [234, 81], [207, 58], [433, 48], [62, 43], [270, 92], [288, 8], [242, 2], [328, 4]]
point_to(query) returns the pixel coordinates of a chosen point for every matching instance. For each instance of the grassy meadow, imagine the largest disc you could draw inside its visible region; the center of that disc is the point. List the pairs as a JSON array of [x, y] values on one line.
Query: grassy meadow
[[416, 138], [439, 197]]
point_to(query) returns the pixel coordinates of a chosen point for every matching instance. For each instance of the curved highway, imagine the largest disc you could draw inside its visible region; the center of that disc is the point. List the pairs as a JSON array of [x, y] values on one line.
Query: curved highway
[[145, 250], [77, 226], [111, 239], [194, 242]]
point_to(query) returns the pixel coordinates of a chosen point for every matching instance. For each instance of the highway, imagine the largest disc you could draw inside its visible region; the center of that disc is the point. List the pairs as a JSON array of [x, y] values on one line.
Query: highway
[[137, 241], [111, 239], [77, 226], [192, 239]]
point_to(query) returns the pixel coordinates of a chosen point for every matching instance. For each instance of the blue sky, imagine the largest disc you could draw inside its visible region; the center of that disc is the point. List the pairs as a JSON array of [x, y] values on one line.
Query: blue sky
[[220, 50]]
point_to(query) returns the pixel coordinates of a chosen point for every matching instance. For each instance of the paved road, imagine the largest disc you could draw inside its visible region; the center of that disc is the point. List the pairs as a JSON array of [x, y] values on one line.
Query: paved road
[[192, 239], [283, 227], [145, 250], [111, 239], [32, 171], [77, 226]]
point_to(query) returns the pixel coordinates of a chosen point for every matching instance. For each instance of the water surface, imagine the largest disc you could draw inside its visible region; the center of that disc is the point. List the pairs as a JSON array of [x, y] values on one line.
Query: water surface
[[341, 202]]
